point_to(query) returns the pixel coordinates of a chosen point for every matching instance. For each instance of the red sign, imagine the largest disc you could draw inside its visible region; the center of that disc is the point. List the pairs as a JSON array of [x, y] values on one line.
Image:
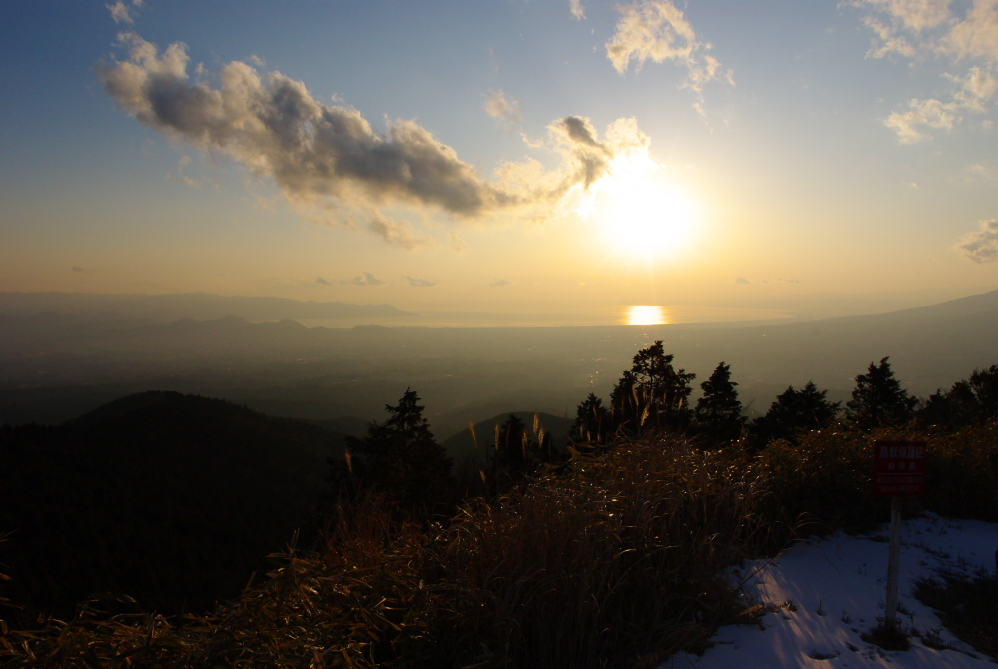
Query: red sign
[[898, 468]]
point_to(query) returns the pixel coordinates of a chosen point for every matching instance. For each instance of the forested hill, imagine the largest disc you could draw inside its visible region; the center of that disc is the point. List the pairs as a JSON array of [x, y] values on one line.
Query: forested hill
[[174, 499]]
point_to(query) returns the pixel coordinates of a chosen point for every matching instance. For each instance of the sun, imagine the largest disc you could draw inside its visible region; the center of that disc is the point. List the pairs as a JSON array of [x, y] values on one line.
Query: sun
[[639, 212]]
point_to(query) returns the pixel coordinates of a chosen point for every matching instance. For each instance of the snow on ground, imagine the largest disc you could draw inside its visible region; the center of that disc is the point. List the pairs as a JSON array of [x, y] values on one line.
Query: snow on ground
[[838, 588]]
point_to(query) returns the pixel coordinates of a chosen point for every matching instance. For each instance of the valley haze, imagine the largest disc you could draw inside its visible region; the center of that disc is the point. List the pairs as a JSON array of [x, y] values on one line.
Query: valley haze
[[63, 355]]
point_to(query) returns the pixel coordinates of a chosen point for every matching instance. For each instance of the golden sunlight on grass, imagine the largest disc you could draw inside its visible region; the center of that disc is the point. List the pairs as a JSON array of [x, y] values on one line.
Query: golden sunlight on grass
[[646, 315]]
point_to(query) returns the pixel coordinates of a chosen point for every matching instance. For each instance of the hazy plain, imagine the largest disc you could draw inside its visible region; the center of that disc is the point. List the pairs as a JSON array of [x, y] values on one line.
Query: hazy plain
[[55, 365]]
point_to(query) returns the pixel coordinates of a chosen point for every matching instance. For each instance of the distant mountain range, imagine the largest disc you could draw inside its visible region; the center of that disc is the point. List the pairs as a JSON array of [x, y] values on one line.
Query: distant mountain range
[[199, 306], [57, 365]]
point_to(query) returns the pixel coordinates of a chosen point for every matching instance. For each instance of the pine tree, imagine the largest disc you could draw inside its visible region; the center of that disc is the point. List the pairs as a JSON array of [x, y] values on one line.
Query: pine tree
[[402, 457], [969, 401], [592, 420], [652, 392], [511, 448], [793, 412], [879, 400], [719, 411]]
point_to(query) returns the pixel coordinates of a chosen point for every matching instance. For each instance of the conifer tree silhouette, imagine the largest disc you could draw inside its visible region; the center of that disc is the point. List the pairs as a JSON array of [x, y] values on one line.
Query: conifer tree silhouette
[[793, 412], [879, 400], [592, 420], [401, 455], [652, 393], [515, 453], [971, 400], [719, 411], [511, 447]]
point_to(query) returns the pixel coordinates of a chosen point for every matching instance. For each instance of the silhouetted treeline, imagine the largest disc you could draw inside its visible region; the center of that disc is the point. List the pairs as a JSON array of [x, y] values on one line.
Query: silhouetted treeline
[[173, 499], [654, 395]]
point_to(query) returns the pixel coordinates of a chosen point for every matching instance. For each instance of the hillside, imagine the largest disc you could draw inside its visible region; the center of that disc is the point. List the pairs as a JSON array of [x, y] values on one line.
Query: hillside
[[172, 498]]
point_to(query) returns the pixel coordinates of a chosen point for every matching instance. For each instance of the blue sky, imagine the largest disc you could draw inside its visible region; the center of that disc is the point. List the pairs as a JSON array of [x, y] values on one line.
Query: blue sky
[[738, 154]]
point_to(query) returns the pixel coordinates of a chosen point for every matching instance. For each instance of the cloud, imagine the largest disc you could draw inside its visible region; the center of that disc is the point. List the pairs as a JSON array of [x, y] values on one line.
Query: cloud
[[981, 247], [498, 107], [328, 161], [322, 282], [578, 11], [932, 27], [419, 283], [981, 171], [399, 233], [82, 270], [657, 30], [122, 13], [365, 279], [591, 157], [976, 88], [976, 36], [742, 280], [276, 128], [920, 29], [498, 283]]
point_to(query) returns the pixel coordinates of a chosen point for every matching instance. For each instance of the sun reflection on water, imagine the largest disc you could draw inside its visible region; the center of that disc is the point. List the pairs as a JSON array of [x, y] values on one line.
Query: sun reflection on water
[[646, 315]]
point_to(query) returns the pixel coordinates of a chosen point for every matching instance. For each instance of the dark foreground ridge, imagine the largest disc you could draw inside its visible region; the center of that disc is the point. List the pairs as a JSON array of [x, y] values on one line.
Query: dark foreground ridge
[[605, 551], [174, 499]]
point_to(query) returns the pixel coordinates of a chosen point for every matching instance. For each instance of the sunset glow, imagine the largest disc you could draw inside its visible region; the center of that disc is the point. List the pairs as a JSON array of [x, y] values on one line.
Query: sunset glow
[[646, 315], [564, 157]]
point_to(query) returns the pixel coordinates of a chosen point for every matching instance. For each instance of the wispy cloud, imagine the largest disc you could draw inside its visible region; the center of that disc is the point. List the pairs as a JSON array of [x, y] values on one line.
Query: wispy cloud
[[328, 161], [976, 90], [964, 33], [82, 270], [578, 11], [742, 280], [122, 13], [365, 279], [419, 283], [499, 283], [657, 30], [322, 282], [497, 106], [399, 233], [982, 246]]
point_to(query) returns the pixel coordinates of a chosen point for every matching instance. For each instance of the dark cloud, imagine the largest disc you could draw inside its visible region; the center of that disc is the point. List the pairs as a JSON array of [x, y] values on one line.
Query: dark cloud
[[82, 270], [275, 126], [591, 156], [328, 159], [982, 247], [365, 279], [742, 280], [322, 282], [419, 283], [499, 283]]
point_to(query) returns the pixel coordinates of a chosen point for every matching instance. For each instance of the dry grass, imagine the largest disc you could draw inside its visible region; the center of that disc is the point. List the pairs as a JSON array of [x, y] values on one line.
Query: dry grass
[[612, 560]]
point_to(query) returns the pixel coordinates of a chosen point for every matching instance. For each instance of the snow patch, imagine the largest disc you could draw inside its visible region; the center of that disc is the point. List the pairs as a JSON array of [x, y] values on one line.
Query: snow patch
[[831, 591]]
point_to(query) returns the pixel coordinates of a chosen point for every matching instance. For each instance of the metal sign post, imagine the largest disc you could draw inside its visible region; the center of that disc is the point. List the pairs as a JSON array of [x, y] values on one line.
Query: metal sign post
[[898, 471]]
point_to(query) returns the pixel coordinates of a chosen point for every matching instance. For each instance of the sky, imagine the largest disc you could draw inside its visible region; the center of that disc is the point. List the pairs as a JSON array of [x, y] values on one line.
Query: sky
[[534, 156]]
